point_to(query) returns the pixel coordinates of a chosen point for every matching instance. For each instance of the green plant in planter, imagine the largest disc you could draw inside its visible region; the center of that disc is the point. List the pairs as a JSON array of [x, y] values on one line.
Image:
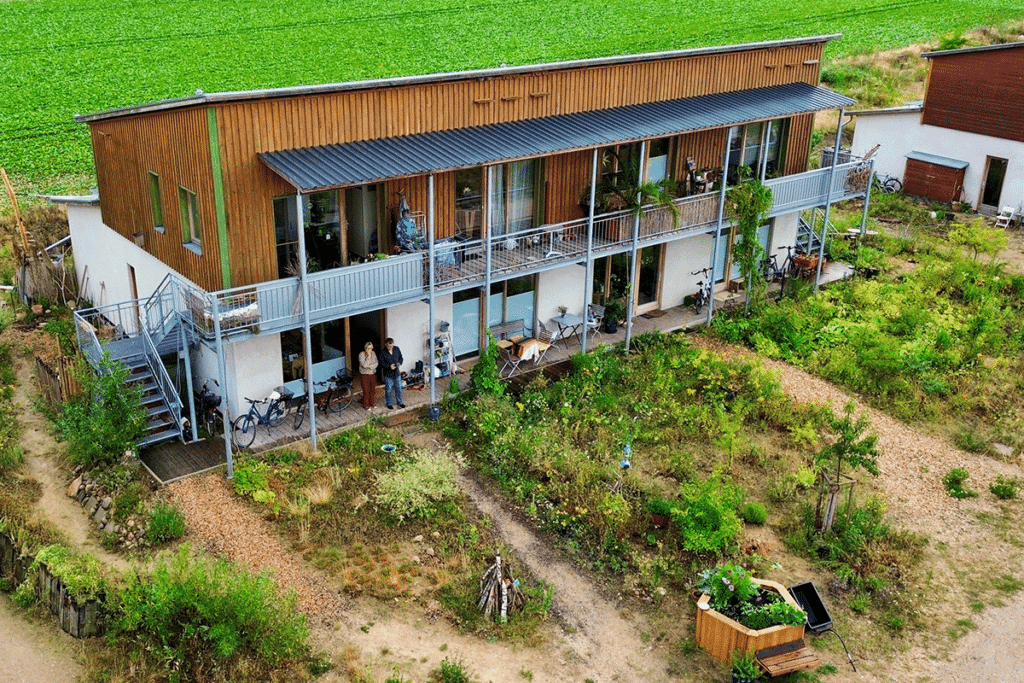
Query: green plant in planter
[[727, 585], [614, 313], [659, 506], [744, 667]]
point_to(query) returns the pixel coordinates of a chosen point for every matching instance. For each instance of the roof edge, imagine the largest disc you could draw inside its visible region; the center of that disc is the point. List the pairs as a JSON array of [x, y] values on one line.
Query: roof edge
[[201, 98], [965, 50]]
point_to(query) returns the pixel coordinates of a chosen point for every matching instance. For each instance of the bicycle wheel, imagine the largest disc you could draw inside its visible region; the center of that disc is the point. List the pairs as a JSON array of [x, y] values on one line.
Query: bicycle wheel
[[340, 399], [892, 185], [243, 431], [698, 301], [300, 415], [275, 414]]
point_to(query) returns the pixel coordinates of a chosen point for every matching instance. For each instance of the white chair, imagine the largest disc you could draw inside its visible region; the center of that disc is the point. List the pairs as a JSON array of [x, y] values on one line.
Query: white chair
[[595, 315], [509, 361], [1006, 216], [545, 340]]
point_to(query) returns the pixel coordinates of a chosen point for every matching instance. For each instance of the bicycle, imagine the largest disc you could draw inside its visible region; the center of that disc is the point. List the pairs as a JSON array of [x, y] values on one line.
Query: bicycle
[[703, 296], [243, 429], [770, 268], [788, 267], [337, 397], [207, 403], [889, 184]]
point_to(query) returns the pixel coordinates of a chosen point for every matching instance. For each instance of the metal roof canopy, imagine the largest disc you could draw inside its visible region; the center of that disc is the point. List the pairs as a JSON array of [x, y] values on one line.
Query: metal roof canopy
[[325, 167], [937, 160]]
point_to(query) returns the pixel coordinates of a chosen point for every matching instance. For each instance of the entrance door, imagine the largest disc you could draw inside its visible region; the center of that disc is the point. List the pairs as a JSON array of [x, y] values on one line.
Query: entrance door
[[135, 296], [648, 279], [992, 186], [361, 213]]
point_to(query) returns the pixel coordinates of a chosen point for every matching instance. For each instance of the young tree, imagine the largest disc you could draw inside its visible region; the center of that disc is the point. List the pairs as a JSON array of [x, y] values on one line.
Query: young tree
[[852, 448], [979, 238]]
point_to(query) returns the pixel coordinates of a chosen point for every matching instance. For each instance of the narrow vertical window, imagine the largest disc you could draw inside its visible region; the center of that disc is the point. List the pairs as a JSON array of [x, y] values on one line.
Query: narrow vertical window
[[154, 198], [190, 230]]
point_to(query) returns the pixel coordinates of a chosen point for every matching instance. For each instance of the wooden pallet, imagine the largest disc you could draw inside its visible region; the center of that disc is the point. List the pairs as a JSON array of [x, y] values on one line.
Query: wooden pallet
[[787, 658]]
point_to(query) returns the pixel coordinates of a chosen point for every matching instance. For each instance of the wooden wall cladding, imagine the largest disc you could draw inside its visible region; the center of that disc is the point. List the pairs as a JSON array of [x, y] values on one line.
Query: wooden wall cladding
[[178, 139], [978, 92], [799, 147], [931, 181]]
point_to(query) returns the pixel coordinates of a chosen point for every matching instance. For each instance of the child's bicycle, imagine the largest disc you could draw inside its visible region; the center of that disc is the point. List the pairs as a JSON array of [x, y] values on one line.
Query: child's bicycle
[[337, 397], [703, 296], [243, 429]]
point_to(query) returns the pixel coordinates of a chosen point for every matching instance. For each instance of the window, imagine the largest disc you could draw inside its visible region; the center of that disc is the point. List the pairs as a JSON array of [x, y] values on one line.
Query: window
[[469, 202], [190, 229], [657, 160], [322, 227], [511, 196], [154, 198], [758, 146]]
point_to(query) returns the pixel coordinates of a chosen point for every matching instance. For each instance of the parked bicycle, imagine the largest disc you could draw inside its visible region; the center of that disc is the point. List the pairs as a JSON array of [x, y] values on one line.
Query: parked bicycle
[[889, 184], [207, 404], [789, 268], [703, 296], [770, 268], [337, 397], [243, 430]]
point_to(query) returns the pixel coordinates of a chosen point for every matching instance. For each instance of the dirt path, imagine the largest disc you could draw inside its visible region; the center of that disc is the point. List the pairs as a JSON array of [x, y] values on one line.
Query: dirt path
[[33, 652]]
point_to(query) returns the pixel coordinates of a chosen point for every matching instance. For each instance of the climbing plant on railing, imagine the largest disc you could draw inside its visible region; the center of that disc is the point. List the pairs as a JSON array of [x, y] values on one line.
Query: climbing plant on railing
[[748, 203]]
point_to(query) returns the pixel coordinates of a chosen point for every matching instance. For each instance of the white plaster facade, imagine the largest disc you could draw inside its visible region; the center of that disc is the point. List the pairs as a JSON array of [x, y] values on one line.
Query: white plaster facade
[[899, 131]]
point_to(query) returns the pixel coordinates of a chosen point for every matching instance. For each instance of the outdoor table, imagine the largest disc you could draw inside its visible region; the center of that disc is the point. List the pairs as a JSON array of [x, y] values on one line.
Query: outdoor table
[[568, 324]]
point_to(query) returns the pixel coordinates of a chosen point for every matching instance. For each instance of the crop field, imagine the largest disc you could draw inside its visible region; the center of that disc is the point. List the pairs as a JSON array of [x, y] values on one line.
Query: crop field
[[59, 58]]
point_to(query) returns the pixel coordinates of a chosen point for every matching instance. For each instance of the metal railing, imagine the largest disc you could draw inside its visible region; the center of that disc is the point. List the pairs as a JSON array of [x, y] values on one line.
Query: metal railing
[[168, 392]]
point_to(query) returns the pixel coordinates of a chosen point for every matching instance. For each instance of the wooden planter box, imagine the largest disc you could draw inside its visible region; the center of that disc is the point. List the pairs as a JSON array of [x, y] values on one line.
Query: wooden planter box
[[720, 636]]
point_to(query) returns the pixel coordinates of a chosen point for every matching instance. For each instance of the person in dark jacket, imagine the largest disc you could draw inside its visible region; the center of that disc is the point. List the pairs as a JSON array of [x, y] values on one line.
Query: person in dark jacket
[[391, 365]]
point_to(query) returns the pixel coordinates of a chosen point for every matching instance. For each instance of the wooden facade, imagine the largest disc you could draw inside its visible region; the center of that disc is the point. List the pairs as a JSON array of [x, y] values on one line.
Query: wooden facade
[[978, 91], [211, 147]]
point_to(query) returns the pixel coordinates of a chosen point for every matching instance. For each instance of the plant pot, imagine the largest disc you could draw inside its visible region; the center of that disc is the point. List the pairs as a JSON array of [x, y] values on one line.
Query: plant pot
[[659, 521], [737, 678], [720, 636], [610, 327]]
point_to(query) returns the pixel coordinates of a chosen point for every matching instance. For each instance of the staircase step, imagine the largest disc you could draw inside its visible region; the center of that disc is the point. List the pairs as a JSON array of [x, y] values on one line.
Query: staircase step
[[171, 432]]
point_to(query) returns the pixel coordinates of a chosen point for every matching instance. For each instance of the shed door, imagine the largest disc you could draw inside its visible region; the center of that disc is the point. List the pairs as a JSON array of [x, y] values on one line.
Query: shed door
[[992, 186]]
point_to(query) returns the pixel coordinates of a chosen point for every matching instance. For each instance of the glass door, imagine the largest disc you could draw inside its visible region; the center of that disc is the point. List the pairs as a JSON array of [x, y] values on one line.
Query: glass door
[[648, 279]]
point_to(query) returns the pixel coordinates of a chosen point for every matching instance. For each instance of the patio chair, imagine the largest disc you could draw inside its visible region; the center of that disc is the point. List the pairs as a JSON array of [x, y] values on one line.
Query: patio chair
[[509, 361], [1006, 216], [595, 314], [545, 340]]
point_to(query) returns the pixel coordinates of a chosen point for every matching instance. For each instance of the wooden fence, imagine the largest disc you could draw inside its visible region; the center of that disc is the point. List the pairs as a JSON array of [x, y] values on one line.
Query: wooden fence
[[59, 379], [78, 620]]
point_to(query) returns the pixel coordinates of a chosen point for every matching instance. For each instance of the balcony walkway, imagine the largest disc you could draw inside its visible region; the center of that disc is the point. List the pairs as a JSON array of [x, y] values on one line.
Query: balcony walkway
[[175, 460]]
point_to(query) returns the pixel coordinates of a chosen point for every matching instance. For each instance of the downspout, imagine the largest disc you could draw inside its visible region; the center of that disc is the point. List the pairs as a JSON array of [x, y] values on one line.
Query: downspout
[[633, 265], [430, 294], [765, 136], [718, 227], [828, 198], [222, 367], [307, 343], [588, 285], [183, 341]]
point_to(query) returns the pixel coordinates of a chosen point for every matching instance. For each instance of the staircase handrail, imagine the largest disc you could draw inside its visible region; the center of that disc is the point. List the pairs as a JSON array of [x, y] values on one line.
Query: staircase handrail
[[168, 391], [157, 315], [88, 342]]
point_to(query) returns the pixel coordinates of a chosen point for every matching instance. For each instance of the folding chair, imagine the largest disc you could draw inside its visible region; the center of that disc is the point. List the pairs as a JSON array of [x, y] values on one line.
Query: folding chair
[[1006, 216], [509, 361], [545, 340], [595, 314]]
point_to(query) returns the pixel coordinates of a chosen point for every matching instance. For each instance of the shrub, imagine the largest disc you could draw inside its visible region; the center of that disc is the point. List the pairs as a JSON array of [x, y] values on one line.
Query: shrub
[[1004, 488], [107, 421], [706, 515], [166, 524], [954, 483], [754, 513], [196, 615], [419, 488], [727, 585], [80, 573], [450, 671]]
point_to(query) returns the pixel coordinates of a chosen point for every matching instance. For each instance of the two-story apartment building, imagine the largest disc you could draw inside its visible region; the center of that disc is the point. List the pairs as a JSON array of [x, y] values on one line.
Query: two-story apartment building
[[257, 235], [965, 141]]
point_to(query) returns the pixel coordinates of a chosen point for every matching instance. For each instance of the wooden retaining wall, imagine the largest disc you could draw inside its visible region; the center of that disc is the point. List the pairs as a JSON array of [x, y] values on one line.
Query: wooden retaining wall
[[78, 620], [58, 379]]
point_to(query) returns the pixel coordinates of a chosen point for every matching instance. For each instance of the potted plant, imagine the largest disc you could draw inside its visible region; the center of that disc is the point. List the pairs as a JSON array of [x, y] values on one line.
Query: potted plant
[[614, 313], [660, 510], [738, 612], [744, 667]]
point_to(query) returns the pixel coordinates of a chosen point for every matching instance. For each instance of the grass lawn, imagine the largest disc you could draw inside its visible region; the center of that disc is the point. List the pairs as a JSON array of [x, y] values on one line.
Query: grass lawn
[[62, 59]]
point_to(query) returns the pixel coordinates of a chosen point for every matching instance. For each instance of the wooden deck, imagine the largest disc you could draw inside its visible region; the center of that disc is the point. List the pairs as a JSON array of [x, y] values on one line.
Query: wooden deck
[[173, 460]]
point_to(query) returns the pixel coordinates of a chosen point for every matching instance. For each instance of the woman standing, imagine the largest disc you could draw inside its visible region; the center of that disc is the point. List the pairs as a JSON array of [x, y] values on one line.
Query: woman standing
[[368, 375]]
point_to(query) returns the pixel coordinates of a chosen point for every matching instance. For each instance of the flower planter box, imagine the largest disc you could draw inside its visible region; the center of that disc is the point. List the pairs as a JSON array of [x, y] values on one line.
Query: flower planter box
[[720, 636]]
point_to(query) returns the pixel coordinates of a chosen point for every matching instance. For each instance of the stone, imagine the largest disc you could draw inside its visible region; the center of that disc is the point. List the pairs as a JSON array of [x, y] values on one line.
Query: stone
[[131, 536], [430, 551], [74, 486], [1003, 450], [436, 534], [100, 517], [418, 539], [80, 496], [106, 503], [415, 559], [90, 504]]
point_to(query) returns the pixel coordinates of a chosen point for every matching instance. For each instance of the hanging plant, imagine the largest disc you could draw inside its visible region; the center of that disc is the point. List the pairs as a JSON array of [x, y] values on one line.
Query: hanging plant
[[748, 204]]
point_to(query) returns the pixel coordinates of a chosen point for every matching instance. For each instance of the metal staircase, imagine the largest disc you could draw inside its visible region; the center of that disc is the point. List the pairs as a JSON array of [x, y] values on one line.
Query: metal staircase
[[808, 241]]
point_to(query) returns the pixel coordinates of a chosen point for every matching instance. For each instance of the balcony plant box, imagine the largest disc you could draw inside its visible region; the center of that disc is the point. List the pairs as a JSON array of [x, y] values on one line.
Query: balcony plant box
[[721, 636]]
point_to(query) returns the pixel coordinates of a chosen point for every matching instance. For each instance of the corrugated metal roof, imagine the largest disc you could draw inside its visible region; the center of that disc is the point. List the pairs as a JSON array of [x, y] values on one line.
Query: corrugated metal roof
[[937, 160], [356, 163], [965, 50]]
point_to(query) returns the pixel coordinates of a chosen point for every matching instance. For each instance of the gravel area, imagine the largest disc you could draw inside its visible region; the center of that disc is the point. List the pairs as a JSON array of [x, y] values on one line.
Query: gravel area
[[228, 529]]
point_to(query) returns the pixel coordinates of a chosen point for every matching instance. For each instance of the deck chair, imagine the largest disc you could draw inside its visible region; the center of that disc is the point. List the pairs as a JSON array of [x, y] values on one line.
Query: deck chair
[[1006, 216], [509, 361], [595, 314]]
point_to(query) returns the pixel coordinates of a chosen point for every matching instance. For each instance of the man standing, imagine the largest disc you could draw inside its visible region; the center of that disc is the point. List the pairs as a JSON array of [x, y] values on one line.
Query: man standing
[[391, 362]]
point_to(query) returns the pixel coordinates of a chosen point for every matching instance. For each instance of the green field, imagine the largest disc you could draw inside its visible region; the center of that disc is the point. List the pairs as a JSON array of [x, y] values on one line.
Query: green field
[[60, 58]]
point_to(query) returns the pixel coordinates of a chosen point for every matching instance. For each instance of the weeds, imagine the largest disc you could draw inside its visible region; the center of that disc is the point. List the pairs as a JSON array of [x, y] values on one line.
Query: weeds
[[954, 482]]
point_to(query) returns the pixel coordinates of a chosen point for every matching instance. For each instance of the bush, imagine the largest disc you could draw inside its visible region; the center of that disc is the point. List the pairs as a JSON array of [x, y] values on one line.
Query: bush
[[420, 487], [954, 483], [754, 513], [107, 421], [706, 515], [166, 524], [450, 671], [1004, 488], [196, 615]]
